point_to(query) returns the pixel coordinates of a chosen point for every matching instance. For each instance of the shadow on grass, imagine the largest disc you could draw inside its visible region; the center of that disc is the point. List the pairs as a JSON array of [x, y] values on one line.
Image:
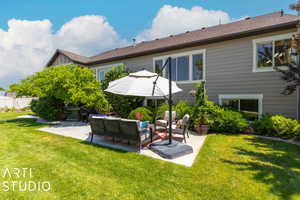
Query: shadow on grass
[[22, 122], [274, 163], [87, 142]]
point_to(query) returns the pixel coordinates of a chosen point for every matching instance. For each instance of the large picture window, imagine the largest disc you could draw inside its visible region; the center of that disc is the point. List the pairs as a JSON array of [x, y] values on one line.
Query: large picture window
[[272, 52], [186, 67]]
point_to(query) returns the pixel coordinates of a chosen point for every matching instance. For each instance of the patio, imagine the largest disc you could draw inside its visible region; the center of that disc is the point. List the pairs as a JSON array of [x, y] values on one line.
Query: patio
[[81, 131]]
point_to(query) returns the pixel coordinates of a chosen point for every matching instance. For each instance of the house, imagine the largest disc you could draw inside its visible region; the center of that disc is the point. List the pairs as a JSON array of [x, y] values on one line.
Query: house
[[236, 61]]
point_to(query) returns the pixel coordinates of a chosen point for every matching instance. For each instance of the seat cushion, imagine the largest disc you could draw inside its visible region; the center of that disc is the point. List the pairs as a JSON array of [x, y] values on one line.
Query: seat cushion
[[161, 122], [130, 129], [145, 134]]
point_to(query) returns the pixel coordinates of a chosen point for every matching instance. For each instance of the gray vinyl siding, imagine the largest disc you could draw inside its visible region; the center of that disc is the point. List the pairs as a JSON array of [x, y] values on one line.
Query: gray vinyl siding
[[229, 72], [138, 64]]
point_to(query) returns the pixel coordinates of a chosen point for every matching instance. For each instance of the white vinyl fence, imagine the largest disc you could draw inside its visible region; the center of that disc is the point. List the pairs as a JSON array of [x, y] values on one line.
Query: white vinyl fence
[[10, 102]]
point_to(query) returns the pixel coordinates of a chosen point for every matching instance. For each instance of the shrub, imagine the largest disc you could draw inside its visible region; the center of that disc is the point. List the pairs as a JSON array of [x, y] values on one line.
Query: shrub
[[182, 108], [47, 108], [277, 125], [161, 110], [227, 121], [221, 119], [145, 113], [297, 131], [120, 104], [67, 83]]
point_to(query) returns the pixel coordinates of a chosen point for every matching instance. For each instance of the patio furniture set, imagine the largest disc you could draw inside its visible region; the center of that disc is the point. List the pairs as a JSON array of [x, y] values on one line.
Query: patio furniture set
[[132, 132], [149, 85]]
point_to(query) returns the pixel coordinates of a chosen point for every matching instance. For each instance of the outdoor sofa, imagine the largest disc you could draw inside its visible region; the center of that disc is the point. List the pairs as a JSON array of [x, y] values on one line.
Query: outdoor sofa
[[121, 129]]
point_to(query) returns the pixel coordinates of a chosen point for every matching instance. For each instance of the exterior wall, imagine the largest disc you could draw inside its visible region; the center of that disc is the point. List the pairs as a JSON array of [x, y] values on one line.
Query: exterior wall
[[61, 59], [229, 67]]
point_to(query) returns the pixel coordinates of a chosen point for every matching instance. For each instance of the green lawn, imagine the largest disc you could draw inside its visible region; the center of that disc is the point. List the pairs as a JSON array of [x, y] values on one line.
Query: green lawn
[[228, 167]]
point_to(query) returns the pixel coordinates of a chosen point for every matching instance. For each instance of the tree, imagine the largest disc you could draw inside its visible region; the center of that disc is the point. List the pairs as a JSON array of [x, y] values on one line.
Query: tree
[[68, 84], [2, 89], [121, 104], [291, 75]]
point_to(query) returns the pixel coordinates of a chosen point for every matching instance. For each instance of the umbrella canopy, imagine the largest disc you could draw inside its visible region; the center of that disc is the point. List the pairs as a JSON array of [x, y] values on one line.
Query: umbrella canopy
[[141, 84]]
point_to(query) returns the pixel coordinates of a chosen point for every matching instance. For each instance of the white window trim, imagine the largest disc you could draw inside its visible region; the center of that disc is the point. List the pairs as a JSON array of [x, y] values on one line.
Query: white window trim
[[186, 53], [104, 68], [259, 97], [267, 39]]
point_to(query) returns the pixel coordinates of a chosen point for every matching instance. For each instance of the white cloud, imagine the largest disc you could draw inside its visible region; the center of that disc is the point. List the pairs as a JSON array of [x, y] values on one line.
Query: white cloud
[[27, 45], [88, 35], [173, 20]]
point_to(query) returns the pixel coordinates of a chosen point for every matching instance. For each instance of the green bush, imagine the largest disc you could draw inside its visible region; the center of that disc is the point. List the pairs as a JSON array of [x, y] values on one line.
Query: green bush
[[161, 110], [48, 108], [120, 104], [227, 121], [297, 131], [67, 83], [221, 119], [182, 108], [277, 125], [146, 113]]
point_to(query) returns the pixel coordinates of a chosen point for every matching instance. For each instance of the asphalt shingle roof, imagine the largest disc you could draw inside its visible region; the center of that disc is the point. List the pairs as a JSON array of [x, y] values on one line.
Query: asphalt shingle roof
[[236, 29]]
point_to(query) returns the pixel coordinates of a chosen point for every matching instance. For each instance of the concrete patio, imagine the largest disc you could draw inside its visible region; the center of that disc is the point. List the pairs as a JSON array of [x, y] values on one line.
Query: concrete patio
[[81, 131]]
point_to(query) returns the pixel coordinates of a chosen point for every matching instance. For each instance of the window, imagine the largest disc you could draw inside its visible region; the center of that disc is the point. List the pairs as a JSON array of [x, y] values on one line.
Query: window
[[158, 66], [283, 52], [102, 70], [249, 105], [186, 67], [272, 52], [101, 74], [264, 54], [180, 69], [197, 66]]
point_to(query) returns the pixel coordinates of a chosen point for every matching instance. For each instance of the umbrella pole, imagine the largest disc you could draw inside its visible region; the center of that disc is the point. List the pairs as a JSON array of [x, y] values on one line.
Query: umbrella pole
[[170, 100], [170, 149]]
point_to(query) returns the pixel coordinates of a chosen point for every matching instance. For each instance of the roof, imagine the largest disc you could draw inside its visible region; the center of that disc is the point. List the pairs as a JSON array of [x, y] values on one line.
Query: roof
[[237, 29], [72, 56]]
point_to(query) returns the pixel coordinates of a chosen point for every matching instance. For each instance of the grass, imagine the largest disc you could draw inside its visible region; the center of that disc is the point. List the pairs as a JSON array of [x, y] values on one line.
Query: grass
[[228, 167]]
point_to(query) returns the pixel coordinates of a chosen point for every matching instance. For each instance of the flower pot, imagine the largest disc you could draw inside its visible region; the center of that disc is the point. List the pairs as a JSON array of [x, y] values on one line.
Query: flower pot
[[204, 129], [201, 129]]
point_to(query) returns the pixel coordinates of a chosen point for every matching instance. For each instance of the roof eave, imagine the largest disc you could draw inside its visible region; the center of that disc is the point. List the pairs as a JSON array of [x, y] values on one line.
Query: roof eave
[[57, 52], [268, 29]]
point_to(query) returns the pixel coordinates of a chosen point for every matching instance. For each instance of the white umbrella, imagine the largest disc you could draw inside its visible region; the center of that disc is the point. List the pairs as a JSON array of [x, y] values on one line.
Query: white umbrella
[[142, 84]]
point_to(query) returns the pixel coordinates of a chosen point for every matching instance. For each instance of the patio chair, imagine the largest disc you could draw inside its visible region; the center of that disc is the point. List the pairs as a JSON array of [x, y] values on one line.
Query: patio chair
[[97, 126], [165, 121], [184, 129], [132, 132], [112, 127]]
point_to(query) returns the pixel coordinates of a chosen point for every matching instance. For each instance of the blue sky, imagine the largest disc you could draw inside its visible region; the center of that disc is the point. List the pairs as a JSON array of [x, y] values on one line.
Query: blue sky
[[31, 30], [128, 17]]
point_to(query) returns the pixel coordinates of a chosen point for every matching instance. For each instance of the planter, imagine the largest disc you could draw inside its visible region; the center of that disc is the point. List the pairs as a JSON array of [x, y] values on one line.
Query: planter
[[202, 129]]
